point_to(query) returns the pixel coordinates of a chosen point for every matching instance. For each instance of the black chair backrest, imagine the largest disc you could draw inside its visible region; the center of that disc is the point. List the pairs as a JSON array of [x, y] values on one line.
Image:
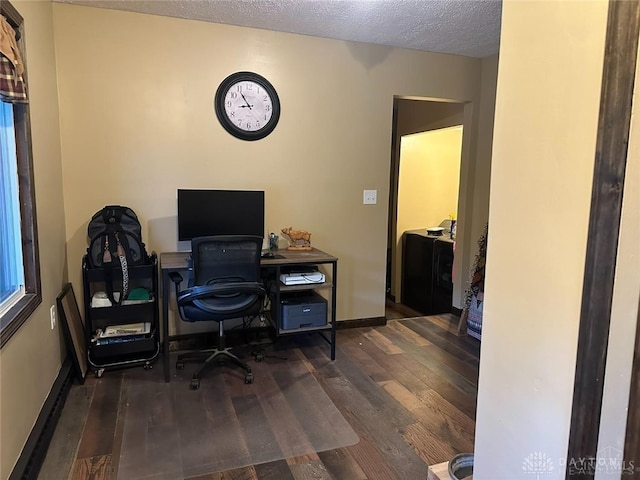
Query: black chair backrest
[[226, 258]]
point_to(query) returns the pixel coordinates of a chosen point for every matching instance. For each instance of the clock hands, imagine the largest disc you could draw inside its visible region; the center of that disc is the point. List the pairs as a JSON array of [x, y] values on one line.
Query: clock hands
[[249, 106], [245, 101], [248, 116]]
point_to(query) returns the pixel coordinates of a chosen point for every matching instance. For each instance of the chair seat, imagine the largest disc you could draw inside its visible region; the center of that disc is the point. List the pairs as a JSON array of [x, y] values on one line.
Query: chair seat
[[192, 313]]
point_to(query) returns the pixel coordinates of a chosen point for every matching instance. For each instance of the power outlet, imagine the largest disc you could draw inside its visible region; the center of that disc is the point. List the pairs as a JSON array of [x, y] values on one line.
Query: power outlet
[[54, 316], [369, 197]]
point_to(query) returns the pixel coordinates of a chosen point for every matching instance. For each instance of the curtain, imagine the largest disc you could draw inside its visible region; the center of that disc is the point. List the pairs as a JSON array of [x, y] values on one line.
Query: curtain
[[13, 88]]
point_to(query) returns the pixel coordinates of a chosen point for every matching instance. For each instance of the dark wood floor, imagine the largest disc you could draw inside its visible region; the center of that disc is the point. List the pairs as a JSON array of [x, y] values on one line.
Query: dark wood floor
[[408, 389]]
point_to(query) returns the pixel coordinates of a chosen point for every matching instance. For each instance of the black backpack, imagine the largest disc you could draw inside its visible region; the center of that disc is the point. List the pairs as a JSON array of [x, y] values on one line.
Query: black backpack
[[115, 241]]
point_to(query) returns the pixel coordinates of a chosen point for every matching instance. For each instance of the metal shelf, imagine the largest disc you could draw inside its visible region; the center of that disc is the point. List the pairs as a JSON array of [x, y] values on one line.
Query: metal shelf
[[142, 350], [304, 286]]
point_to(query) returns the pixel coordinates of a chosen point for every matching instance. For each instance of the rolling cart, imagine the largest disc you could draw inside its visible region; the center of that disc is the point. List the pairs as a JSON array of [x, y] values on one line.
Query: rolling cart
[[125, 334]]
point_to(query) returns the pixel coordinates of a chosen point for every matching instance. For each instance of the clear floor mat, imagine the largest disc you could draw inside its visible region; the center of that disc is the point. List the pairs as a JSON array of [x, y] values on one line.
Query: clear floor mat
[[171, 431]]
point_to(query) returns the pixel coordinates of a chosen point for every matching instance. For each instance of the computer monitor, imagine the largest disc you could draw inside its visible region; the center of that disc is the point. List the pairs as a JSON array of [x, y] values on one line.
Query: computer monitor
[[202, 213]]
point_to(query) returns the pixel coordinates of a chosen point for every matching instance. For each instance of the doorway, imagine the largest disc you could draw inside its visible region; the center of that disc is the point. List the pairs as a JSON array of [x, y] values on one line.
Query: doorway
[[418, 122]]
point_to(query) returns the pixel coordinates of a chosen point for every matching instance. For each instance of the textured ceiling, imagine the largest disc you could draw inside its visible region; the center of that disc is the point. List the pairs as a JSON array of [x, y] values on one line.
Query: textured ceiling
[[463, 27]]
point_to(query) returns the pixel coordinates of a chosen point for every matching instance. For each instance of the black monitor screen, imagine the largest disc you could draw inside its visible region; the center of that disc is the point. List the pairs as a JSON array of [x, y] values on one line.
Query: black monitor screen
[[202, 213]]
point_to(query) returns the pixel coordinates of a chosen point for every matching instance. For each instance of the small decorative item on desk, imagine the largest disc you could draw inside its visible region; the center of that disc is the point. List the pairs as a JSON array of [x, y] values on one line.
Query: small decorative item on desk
[[273, 241], [298, 239]]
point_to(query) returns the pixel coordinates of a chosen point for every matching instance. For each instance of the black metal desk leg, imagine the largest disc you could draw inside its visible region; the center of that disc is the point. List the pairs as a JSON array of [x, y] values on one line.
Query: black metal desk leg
[[334, 289], [165, 325]]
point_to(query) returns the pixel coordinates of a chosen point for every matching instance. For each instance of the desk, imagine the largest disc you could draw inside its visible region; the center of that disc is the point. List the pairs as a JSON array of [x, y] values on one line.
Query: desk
[[178, 262]]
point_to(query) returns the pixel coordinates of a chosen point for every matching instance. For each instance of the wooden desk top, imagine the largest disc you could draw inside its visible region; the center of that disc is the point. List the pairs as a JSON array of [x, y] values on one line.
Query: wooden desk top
[[178, 260]]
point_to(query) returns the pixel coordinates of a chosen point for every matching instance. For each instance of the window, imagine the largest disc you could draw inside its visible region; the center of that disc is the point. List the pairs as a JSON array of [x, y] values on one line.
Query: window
[[19, 264], [12, 274]]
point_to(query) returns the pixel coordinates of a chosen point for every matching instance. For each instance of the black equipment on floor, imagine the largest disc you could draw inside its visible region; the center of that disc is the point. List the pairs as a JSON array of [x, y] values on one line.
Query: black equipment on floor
[[427, 278]]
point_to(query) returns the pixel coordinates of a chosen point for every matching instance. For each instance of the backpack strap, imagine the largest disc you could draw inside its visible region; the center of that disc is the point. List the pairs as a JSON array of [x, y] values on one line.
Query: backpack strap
[[115, 256], [107, 267], [124, 265]]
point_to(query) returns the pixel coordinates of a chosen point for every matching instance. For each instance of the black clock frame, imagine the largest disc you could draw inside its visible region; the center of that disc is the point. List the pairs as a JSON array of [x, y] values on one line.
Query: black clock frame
[[228, 125]]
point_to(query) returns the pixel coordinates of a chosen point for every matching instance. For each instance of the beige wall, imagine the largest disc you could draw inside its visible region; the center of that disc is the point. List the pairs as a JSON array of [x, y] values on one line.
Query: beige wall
[[415, 116], [31, 359], [477, 195], [428, 185], [429, 176], [137, 118], [541, 176], [473, 203]]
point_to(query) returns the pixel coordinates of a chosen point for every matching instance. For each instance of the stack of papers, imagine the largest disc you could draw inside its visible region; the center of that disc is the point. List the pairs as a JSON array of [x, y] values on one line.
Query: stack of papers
[[124, 330]]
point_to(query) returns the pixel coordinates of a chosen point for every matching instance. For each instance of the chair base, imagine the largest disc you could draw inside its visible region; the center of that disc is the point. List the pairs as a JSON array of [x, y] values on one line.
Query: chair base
[[212, 358]]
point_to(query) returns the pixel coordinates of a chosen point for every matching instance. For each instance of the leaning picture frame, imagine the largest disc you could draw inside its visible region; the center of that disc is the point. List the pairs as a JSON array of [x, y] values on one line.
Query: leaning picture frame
[[73, 327]]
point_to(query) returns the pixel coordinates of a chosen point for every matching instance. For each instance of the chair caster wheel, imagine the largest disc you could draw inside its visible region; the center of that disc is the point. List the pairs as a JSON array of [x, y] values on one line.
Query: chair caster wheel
[[195, 384], [99, 372], [179, 365], [248, 378], [259, 357], [148, 366]]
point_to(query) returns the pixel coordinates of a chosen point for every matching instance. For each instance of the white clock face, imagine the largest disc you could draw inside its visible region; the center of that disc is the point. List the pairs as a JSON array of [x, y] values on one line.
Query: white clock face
[[248, 106]]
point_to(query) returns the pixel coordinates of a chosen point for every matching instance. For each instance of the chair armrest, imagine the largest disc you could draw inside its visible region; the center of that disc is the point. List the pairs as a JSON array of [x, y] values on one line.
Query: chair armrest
[[222, 298], [220, 290]]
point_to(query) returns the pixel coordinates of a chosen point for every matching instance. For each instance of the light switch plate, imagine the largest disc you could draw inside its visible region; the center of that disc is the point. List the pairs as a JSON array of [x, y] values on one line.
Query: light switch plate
[[370, 197]]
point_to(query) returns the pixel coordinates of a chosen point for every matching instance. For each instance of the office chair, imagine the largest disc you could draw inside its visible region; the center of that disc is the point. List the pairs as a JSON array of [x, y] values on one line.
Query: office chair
[[225, 284]]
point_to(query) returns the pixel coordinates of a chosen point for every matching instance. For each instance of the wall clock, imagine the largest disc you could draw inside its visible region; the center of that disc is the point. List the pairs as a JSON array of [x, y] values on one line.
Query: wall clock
[[247, 105]]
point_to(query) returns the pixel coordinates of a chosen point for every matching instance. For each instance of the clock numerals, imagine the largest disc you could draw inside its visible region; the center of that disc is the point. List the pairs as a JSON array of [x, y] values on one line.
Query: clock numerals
[[247, 105]]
